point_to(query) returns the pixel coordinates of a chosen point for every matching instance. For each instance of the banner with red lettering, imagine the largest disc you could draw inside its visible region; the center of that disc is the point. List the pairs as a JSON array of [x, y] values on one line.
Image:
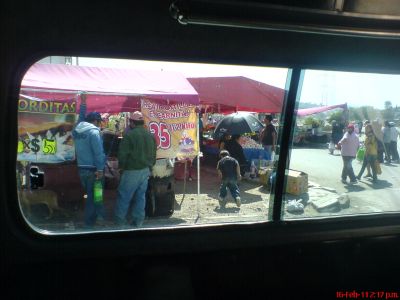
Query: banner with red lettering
[[174, 127], [45, 130]]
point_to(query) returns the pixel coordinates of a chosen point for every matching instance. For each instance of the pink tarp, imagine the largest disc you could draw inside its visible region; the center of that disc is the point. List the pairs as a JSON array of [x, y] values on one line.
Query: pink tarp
[[227, 94], [109, 89], [315, 110]]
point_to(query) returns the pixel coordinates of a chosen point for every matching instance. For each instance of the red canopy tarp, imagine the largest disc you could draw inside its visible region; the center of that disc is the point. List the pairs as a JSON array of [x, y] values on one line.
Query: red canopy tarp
[[109, 90], [315, 110], [228, 94]]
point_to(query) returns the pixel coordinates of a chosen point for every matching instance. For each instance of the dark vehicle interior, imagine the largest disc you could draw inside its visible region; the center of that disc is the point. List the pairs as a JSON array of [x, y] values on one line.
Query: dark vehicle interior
[[326, 258]]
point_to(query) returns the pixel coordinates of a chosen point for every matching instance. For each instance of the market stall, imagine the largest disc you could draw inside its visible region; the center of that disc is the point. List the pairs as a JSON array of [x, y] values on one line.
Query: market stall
[[49, 88], [237, 93], [224, 95]]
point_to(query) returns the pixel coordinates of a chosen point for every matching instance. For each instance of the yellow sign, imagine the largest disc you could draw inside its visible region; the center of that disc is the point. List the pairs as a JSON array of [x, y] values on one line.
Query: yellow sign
[[174, 127], [49, 146], [45, 130]]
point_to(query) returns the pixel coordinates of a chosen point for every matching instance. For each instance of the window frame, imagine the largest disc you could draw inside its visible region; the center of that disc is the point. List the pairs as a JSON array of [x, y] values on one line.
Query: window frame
[[191, 239]]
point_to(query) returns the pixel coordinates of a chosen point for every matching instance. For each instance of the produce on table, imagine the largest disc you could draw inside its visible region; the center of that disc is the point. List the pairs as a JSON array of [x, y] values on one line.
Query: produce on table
[[248, 143]]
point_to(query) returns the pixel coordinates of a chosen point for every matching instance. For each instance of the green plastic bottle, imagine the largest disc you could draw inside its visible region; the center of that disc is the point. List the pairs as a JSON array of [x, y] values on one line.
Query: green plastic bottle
[[98, 192]]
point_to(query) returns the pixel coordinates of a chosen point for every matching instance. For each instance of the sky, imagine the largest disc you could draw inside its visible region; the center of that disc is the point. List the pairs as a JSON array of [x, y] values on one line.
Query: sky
[[319, 87]]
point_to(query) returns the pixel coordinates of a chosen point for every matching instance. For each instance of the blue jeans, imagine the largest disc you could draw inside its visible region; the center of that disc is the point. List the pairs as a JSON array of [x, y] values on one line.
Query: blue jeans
[[230, 183], [92, 210], [133, 183], [268, 149], [369, 160], [348, 168]]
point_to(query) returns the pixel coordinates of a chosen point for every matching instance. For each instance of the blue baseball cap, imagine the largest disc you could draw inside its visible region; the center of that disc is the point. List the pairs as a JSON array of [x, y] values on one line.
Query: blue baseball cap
[[93, 116]]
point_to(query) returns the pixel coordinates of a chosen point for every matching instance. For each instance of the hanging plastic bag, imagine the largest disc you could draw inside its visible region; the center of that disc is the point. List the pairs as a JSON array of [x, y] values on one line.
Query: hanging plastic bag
[[378, 167], [360, 154]]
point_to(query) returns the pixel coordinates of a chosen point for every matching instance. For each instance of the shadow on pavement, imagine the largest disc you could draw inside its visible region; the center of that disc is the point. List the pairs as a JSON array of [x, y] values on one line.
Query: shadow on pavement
[[354, 188], [250, 198], [380, 184]]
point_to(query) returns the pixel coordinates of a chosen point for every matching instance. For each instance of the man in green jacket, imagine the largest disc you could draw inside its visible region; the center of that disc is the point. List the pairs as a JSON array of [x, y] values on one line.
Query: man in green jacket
[[136, 157]]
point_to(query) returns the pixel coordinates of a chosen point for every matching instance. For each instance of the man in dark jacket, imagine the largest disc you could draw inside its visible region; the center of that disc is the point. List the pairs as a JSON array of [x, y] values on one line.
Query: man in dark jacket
[[91, 158], [136, 157]]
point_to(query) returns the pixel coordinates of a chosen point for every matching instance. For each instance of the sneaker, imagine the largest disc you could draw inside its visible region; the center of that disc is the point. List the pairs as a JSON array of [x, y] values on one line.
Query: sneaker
[[238, 202], [368, 175], [222, 202], [344, 181], [358, 177], [353, 181]]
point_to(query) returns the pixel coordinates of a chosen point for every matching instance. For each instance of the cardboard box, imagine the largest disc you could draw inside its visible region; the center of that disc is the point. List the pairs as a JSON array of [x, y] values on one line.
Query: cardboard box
[[296, 183], [264, 174]]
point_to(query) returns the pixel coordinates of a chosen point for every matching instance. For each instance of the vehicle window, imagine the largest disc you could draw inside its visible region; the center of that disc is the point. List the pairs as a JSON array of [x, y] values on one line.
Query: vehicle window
[[344, 158], [106, 144]]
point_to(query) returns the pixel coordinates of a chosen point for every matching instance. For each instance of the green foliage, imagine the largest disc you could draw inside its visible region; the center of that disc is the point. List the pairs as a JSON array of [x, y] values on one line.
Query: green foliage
[[337, 116], [389, 112], [369, 112], [314, 122], [388, 105], [355, 114]]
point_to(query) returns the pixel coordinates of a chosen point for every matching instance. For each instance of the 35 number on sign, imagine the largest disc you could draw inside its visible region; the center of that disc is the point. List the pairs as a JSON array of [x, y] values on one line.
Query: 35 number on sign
[[161, 133]]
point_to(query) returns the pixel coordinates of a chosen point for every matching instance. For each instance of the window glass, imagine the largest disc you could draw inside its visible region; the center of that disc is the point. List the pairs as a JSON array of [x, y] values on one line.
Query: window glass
[[344, 158], [106, 144]]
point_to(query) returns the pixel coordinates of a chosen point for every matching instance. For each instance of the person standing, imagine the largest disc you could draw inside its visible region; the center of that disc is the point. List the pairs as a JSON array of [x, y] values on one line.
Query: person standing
[[371, 153], [136, 158], [222, 141], [349, 146], [268, 135], [236, 151], [386, 141], [360, 126], [229, 173], [91, 159], [394, 134], [368, 130], [337, 134]]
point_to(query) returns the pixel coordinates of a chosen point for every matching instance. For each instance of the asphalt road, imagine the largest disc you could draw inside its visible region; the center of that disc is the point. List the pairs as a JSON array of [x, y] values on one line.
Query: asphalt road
[[325, 170]]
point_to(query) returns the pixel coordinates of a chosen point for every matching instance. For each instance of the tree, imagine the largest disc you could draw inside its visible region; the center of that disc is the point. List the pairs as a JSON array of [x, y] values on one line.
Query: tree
[[388, 105], [337, 116], [388, 112], [314, 122], [355, 113], [369, 112]]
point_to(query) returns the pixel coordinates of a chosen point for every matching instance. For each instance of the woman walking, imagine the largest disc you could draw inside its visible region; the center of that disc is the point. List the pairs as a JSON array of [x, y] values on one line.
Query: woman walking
[[371, 153]]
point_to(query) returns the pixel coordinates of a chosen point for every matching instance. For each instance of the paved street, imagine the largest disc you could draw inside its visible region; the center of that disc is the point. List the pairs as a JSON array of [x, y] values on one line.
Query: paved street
[[325, 170]]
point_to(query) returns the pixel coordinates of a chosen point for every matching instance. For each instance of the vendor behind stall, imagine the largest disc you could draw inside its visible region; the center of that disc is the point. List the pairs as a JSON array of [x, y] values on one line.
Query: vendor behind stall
[[268, 135], [236, 151]]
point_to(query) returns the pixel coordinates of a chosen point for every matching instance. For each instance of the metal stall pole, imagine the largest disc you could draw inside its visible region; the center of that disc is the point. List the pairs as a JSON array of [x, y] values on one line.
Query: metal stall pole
[[198, 166]]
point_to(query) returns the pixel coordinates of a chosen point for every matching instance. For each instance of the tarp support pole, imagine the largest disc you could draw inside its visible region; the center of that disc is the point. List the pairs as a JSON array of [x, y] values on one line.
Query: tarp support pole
[[198, 166]]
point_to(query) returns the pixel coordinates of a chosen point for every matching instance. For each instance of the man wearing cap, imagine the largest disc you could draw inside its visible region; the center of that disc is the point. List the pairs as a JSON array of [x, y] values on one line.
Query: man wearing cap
[[91, 158], [136, 158], [349, 146]]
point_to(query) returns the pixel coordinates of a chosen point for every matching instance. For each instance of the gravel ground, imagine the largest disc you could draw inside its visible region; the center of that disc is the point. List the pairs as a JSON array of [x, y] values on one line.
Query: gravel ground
[[190, 209]]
